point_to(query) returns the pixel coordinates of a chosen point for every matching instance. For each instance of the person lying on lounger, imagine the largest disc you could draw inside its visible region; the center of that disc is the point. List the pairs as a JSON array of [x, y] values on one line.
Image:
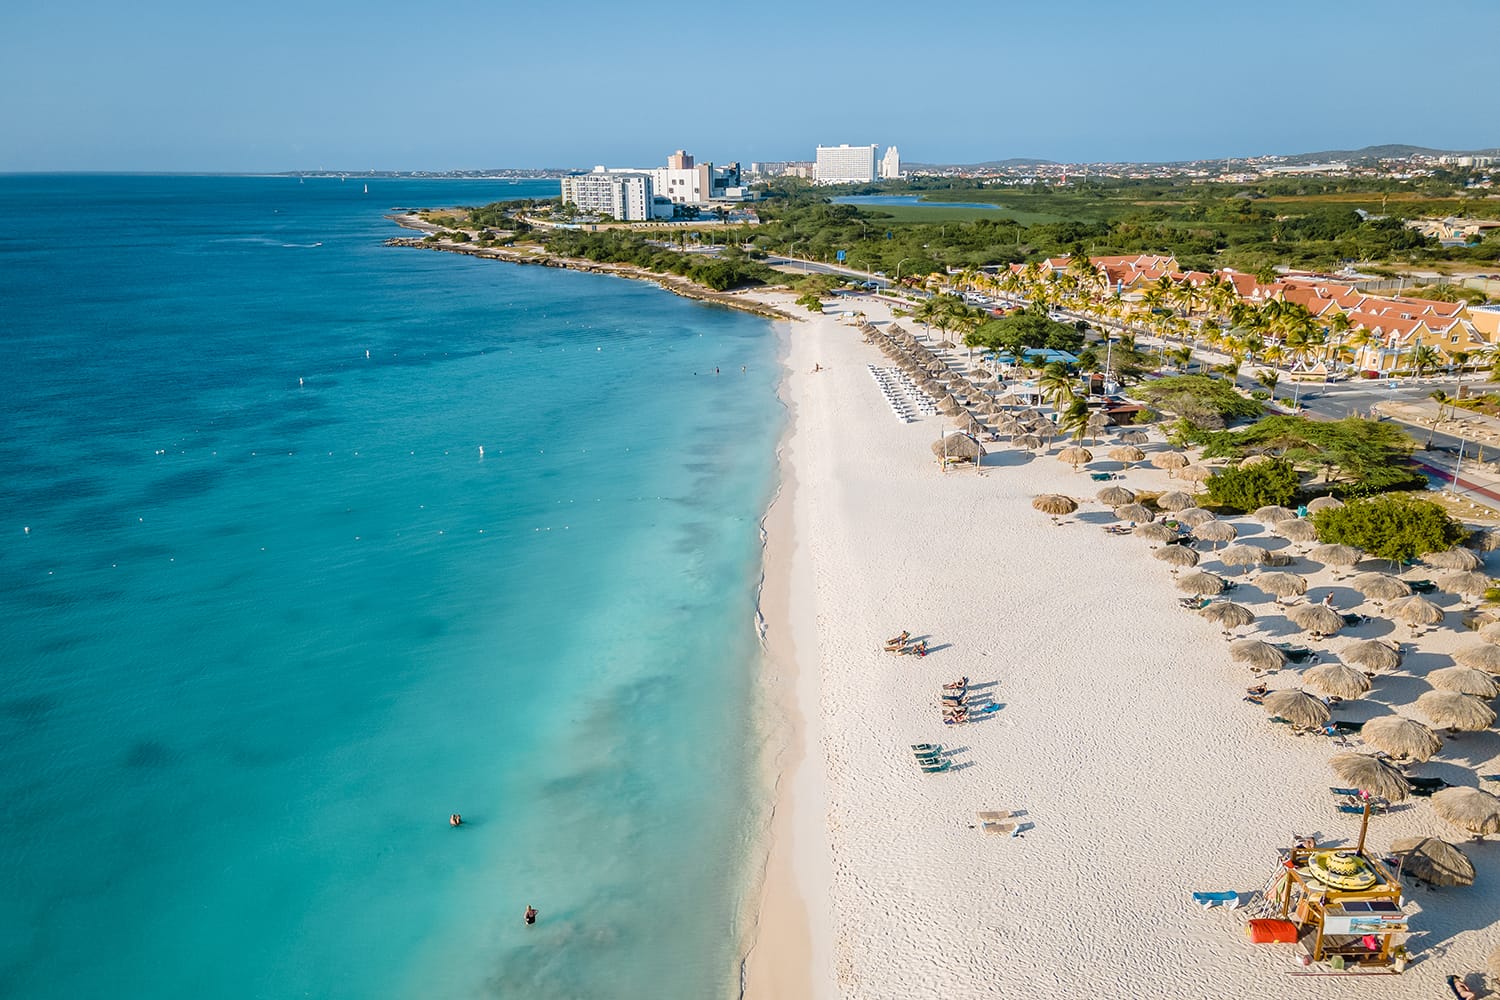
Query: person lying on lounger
[[953, 720], [892, 645], [920, 648], [960, 684], [1260, 690]]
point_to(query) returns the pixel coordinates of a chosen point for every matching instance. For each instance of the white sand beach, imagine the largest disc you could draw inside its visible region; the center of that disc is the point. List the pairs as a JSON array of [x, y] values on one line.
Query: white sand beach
[[1123, 742]]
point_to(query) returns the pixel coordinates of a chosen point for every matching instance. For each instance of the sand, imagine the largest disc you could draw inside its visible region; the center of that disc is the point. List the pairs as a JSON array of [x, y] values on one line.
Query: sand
[[1123, 741]]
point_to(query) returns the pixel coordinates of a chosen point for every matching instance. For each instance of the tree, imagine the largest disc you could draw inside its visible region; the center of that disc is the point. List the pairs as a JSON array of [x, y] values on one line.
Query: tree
[[1370, 455], [1258, 485], [811, 301], [1423, 358], [1057, 385], [1203, 401], [1268, 377], [1394, 527]]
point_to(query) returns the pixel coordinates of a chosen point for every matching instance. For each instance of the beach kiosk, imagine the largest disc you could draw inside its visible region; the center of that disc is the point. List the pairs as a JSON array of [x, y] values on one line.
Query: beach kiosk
[[1346, 905]]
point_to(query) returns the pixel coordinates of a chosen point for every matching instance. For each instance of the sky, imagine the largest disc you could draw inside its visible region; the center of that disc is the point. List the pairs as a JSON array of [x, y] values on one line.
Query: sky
[[273, 85]]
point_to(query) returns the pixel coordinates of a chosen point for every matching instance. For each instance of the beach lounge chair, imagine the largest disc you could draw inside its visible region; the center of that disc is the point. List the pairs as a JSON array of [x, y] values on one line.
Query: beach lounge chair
[[935, 766], [1352, 619], [1346, 792], [1346, 727], [1000, 829], [1208, 900], [1426, 787], [1421, 586], [926, 747], [1195, 603], [932, 754], [1101, 477], [994, 816]]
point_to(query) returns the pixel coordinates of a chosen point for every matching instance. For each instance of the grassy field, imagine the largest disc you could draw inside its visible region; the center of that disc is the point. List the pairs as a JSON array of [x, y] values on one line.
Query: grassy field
[[938, 214]]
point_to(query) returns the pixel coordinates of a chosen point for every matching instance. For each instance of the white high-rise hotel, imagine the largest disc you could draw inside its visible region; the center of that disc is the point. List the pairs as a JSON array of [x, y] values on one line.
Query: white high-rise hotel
[[847, 164]]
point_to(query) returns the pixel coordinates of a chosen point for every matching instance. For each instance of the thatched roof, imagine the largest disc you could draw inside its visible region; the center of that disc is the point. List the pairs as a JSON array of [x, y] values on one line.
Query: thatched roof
[[1431, 860], [1415, 610], [1480, 656], [1315, 618], [1399, 737], [1228, 614], [1116, 495], [1055, 504], [1281, 584], [1175, 500], [1259, 655], [1196, 473], [1490, 632], [1336, 555], [1336, 680], [1194, 516], [1276, 557], [1134, 512], [1449, 710], [1250, 460], [1075, 456], [1372, 654], [1216, 531], [1201, 583], [1464, 582], [1465, 680], [1485, 540], [1297, 707], [1461, 559], [1273, 513], [1324, 503], [1030, 442], [1296, 530], [1169, 460], [957, 448], [1157, 532], [1177, 555], [1126, 453], [1380, 586], [1469, 809], [1370, 774], [1242, 555], [1135, 437]]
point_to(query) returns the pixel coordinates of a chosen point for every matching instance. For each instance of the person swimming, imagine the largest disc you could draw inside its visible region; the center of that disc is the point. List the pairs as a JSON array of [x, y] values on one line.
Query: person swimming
[[455, 820], [530, 914]]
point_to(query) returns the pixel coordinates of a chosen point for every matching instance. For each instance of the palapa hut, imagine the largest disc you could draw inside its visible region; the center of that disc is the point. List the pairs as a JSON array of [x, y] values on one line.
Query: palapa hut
[[1197, 473], [1380, 586], [1157, 532], [1371, 774], [1315, 618], [1469, 809], [1336, 680], [1227, 614], [1242, 556], [1135, 437], [1273, 513], [1464, 680], [1299, 708], [1116, 496], [1194, 516], [1465, 582], [1485, 540], [1281, 584], [1253, 460], [1335, 555], [1490, 632], [1028, 442], [1455, 712], [1201, 583], [957, 448], [1480, 656], [1372, 654], [1170, 460], [1126, 453], [1055, 504], [1434, 861], [1174, 500], [1324, 503], [1075, 456], [1415, 610], [949, 405], [1460, 559], [1405, 739], [1216, 532], [1257, 654], [1295, 530], [1176, 555], [1134, 512]]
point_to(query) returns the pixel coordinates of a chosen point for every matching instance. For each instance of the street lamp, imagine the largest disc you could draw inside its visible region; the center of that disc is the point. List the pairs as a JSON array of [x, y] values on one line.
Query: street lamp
[[903, 260]]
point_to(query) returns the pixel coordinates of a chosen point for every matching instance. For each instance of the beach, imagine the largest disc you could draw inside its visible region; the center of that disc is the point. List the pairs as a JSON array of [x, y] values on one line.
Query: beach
[[1137, 772]]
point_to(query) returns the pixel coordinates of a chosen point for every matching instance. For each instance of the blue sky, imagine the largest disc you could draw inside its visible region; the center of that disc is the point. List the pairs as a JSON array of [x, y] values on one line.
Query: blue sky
[[272, 85]]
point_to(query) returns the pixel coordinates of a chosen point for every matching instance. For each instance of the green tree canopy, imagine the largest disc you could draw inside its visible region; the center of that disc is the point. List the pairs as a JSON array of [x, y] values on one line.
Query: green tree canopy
[[1027, 330], [1394, 526], [1371, 454], [1203, 401], [1259, 485]]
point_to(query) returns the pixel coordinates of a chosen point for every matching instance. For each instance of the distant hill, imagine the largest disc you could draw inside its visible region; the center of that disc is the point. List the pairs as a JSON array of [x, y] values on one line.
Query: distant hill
[[1390, 151], [1014, 161]]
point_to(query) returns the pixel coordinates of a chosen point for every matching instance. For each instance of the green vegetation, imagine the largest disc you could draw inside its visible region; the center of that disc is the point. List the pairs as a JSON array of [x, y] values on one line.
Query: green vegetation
[[1367, 456], [1394, 527], [733, 268], [1026, 330], [1257, 485], [1204, 402]]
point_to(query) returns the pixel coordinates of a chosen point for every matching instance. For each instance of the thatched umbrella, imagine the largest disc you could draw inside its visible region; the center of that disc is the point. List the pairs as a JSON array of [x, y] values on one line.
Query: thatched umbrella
[[1194, 516], [1075, 456], [1157, 532], [1336, 680], [1372, 654], [1197, 473], [1276, 557], [948, 404], [1281, 584], [1380, 586], [1371, 774], [1464, 582], [1116, 495], [1296, 530], [1415, 610], [1461, 559], [1250, 460], [1434, 861], [1216, 531], [1170, 460], [1135, 512], [1242, 555], [1336, 555], [1126, 453], [1324, 503], [1465, 680], [1490, 632], [1469, 809], [1299, 708], [1177, 555], [1201, 583], [957, 448], [1055, 504], [1273, 513], [1480, 656], [1174, 500], [1259, 655], [1492, 964], [1456, 712], [1484, 541], [1315, 618], [1399, 737], [1135, 437], [1030, 442], [1227, 614]]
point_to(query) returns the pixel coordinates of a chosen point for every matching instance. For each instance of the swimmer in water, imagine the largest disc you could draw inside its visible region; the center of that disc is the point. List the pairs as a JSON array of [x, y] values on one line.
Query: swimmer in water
[[530, 914], [455, 820]]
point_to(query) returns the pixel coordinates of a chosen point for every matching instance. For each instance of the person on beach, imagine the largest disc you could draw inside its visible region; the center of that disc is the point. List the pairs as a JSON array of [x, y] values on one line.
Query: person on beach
[[897, 642], [530, 914], [1460, 988], [1328, 599], [455, 820]]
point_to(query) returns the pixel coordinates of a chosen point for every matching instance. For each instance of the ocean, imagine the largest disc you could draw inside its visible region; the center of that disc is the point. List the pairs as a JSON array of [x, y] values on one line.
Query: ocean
[[307, 543]]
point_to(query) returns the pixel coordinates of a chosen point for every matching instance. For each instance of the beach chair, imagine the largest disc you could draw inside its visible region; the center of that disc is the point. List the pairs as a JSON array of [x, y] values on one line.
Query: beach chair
[[994, 816], [998, 824], [1346, 792], [1209, 900], [1352, 619], [1421, 586], [926, 747], [1101, 477], [936, 766], [1346, 727], [1426, 787]]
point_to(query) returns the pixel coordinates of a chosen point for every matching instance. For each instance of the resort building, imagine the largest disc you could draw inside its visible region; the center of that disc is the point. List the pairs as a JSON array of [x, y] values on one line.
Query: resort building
[[844, 164], [628, 196], [890, 164], [683, 181]]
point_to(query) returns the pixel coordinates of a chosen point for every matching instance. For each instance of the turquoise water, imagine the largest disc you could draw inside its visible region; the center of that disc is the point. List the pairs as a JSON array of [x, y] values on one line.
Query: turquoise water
[[908, 199], [276, 617]]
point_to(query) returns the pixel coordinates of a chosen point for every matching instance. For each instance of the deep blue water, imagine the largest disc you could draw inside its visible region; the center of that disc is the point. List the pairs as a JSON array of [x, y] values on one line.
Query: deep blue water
[[275, 617], [908, 199]]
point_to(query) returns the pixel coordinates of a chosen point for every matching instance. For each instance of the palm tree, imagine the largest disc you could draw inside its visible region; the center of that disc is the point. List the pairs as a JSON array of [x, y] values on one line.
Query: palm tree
[[1424, 357], [1186, 294], [1460, 358], [1056, 385], [1269, 377], [1074, 421], [1181, 357], [1441, 398]]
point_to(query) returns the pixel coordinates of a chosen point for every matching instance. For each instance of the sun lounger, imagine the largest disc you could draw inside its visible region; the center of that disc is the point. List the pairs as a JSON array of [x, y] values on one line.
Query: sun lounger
[[1211, 899], [921, 747], [932, 754], [1426, 786], [1421, 586], [1343, 791], [1344, 726], [1352, 619], [935, 766], [1101, 477], [1000, 829], [994, 816]]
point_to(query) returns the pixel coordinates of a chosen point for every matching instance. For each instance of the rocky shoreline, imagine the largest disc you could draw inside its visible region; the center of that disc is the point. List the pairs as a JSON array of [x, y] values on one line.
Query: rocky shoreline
[[672, 283]]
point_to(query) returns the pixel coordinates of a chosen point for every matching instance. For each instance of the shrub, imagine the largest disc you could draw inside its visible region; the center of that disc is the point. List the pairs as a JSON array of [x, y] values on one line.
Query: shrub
[[1260, 485], [1392, 526]]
